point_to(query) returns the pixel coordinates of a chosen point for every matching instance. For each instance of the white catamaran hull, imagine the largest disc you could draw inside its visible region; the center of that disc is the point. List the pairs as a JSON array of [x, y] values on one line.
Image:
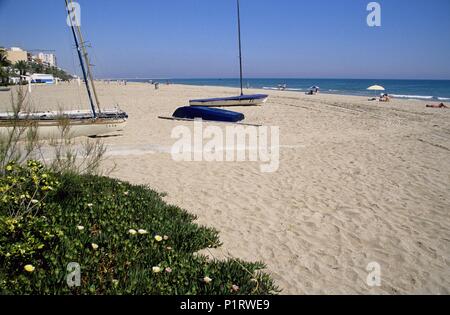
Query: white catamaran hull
[[229, 103], [48, 126], [47, 130]]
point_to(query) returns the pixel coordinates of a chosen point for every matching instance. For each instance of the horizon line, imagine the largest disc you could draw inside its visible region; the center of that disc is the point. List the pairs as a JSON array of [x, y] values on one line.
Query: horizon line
[[264, 78]]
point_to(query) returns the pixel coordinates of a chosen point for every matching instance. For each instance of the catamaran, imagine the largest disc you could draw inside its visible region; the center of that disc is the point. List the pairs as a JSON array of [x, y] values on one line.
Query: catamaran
[[93, 122], [241, 100]]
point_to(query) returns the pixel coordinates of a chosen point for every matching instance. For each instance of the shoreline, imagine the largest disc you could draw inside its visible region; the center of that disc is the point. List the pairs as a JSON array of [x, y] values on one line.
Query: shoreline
[[228, 89], [300, 91], [361, 93]]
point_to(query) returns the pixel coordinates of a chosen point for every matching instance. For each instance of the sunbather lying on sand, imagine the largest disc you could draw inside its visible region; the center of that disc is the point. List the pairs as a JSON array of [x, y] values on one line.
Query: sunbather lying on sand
[[442, 105]]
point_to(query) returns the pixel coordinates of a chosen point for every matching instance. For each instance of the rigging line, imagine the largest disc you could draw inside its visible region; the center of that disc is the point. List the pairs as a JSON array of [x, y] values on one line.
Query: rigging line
[[76, 73], [81, 59], [101, 69], [240, 46], [88, 65]]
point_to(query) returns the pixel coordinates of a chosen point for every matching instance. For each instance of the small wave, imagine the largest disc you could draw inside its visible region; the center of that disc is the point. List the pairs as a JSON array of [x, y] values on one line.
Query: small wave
[[443, 98], [280, 89], [413, 96]]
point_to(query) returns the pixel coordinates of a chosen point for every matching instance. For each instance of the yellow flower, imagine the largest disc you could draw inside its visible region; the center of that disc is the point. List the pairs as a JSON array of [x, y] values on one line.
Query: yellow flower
[[156, 269], [207, 280], [94, 246], [158, 238], [9, 168], [29, 268], [132, 232]]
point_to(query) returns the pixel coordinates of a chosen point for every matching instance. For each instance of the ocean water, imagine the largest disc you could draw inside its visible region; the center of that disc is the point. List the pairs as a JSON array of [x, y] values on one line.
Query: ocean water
[[435, 90]]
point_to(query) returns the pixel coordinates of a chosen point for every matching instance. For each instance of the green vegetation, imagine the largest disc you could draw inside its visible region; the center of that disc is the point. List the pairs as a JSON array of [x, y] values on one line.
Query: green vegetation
[[4, 62], [56, 72], [34, 67], [125, 238], [24, 67], [4, 70]]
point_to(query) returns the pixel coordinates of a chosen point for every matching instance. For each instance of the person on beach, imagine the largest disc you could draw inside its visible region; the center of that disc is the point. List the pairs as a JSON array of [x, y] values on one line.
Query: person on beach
[[385, 98], [442, 105]]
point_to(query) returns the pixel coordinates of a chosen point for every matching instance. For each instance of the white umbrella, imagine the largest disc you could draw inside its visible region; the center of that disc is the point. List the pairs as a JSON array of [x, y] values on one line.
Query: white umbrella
[[376, 88]]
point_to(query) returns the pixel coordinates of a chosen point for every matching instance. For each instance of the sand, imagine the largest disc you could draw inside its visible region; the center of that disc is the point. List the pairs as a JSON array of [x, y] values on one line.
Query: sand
[[358, 182]]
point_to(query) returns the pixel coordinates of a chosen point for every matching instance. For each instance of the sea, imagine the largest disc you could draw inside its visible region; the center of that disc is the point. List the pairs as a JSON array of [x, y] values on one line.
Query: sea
[[433, 90]]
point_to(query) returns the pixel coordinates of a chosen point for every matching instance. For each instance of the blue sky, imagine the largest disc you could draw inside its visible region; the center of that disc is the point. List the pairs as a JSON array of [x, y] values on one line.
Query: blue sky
[[281, 38]]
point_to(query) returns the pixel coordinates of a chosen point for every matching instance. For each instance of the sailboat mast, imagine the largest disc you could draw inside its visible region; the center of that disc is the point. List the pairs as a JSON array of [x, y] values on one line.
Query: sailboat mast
[[240, 46], [83, 69], [88, 66]]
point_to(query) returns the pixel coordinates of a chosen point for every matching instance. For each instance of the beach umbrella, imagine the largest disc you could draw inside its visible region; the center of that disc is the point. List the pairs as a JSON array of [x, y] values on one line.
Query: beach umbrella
[[376, 88], [314, 87]]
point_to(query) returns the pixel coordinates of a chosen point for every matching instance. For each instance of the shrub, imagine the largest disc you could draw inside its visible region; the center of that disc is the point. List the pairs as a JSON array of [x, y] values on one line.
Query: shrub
[[60, 153], [125, 238], [24, 189]]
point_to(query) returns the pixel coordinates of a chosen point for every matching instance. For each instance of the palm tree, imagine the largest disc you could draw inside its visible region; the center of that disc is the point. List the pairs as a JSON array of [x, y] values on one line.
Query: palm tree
[[4, 64], [3, 77], [23, 67]]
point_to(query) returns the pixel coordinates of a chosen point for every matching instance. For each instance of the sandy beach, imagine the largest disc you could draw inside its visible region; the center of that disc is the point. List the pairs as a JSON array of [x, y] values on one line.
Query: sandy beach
[[358, 182]]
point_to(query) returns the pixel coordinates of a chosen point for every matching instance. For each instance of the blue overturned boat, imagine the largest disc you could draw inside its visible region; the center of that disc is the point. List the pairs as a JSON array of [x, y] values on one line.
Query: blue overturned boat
[[206, 113]]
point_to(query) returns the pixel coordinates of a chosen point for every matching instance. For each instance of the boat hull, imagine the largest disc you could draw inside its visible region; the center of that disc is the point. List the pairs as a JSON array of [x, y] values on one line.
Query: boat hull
[[245, 100], [70, 124], [209, 114]]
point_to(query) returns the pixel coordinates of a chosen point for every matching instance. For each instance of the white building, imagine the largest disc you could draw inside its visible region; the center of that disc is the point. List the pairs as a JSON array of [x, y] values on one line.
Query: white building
[[47, 59], [16, 54], [42, 78]]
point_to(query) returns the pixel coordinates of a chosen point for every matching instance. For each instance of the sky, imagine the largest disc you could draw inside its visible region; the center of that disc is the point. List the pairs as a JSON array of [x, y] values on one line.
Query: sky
[[281, 38]]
